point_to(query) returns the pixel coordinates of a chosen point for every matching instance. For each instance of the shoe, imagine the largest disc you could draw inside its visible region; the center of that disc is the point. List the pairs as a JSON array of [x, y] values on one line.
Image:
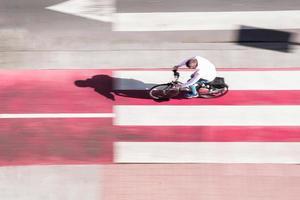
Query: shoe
[[189, 96]]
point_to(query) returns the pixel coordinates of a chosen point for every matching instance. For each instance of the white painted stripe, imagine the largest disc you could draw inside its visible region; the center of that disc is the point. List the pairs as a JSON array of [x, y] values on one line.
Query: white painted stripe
[[207, 152], [58, 115], [237, 80], [67, 182], [183, 21], [210, 115]]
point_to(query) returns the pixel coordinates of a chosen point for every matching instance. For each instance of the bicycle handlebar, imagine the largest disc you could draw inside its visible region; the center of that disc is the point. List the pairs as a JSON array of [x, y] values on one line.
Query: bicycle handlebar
[[176, 77]]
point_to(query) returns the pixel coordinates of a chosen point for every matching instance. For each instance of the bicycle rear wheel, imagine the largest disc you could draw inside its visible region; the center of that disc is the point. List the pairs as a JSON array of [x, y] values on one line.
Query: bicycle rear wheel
[[163, 91]]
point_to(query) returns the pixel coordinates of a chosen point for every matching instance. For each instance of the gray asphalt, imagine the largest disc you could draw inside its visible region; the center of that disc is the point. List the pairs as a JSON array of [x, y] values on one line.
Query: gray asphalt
[[32, 37]]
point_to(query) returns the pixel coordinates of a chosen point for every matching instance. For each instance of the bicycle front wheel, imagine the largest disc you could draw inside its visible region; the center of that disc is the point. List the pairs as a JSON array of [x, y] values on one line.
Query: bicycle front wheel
[[163, 91]]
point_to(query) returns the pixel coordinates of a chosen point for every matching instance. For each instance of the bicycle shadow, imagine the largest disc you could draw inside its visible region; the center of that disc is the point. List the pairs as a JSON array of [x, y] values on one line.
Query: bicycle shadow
[[109, 87]]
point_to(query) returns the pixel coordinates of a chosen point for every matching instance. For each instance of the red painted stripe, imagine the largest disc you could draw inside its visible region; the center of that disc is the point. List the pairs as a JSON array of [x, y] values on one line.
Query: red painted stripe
[[235, 97], [209, 134], [55, 91], [55, 141]]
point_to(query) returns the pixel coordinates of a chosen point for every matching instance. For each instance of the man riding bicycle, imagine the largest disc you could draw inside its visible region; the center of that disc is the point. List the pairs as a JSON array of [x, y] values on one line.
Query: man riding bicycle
[[204, 72]]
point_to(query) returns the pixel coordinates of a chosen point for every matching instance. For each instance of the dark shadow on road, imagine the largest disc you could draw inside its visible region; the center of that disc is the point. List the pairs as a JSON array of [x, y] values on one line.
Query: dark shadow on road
[[275, 40], [105, 85]]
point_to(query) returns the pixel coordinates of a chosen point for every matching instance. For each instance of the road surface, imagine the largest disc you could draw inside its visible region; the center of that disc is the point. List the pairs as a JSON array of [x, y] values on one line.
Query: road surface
[[76, 121]]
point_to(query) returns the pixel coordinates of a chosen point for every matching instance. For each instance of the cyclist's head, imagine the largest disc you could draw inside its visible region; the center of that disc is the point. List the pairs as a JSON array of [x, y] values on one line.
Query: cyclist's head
[[192, 63]]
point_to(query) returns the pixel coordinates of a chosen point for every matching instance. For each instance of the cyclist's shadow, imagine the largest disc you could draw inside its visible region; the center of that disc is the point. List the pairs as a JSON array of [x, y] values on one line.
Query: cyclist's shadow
[[109, 86]]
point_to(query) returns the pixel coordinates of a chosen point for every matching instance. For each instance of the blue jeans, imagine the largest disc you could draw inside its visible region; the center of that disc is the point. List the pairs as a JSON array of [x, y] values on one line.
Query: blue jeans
[[193, 87]]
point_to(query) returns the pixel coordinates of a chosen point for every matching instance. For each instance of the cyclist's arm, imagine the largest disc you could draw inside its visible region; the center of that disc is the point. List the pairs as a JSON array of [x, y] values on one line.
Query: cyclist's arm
[[176, 67], [182, 64], [192, 81]]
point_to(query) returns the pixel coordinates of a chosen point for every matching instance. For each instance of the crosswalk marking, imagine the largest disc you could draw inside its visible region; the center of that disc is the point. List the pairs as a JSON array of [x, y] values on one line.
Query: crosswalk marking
[[185, 21], [208, 115], [237, 80], [261, 118], [207, 152]]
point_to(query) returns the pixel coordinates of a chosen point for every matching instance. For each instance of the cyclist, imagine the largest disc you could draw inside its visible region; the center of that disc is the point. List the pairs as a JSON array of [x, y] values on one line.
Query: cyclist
[[204, 72]]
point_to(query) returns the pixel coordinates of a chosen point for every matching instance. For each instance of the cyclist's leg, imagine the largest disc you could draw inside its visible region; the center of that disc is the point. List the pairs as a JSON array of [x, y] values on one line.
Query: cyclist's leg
[[194, 90], [202, 81]]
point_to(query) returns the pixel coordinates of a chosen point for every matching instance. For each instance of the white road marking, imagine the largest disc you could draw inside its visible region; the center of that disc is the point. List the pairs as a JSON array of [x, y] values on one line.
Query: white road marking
[[207, 152], [237, 80], [57, 115], [104, 10], [101, 10], [51, 182], [184, 21], [209, 115]]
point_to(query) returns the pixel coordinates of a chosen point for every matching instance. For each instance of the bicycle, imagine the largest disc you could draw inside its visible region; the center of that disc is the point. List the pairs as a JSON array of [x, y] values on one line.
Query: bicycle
[[213, 89]]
